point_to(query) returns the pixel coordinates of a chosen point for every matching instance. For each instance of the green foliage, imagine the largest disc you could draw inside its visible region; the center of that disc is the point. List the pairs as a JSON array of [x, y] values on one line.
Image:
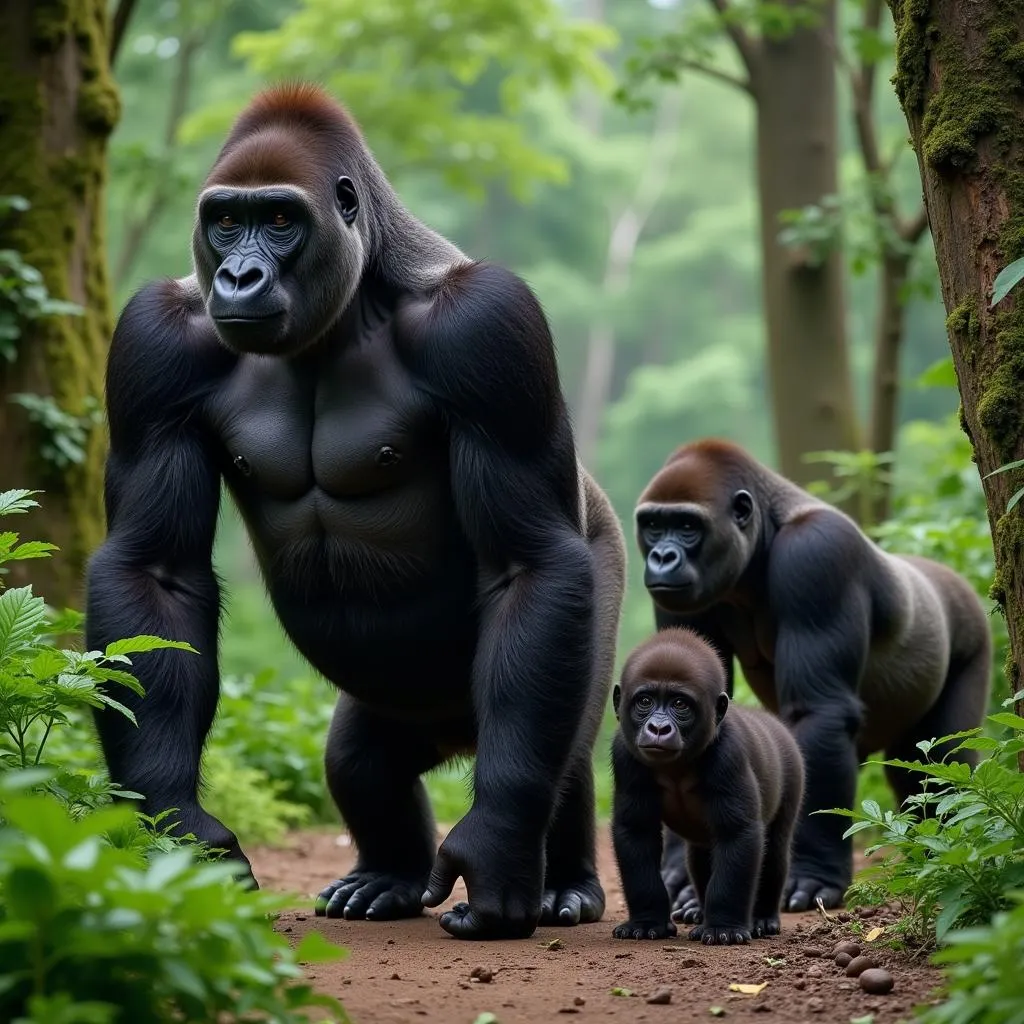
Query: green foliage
[[984, 979], [82, 922], [404, 67], [104, 917], [64, 434], [1007, 279], [957, 866], [23, 294], [862, 475], [1017, 464]]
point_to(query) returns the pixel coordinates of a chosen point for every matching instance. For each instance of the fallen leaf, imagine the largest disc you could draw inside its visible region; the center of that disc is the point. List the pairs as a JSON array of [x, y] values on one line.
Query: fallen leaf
[[621, 992], [553, 944], [486, 1018], [772, 962], [748, 990], [716, 1011], [873, 934], [868, 1018]]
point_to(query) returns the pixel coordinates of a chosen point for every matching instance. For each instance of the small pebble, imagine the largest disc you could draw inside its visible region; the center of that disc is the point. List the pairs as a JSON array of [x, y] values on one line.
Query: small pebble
[[813, 951], [660, 997], [800, 984], [481, 974], [815, 1005], [815, 972], [858, 965], [396, 976], [842, 959], [867, 911], [852, 948], [876, 981], [580, 1001]]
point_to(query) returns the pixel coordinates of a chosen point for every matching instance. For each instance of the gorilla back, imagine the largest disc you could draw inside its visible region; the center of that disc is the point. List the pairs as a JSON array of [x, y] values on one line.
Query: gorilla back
[[387, 415]]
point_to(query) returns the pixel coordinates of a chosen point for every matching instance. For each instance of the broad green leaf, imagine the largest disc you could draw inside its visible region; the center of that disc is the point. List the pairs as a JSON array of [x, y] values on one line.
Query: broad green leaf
[[1009, 719], [118, 706], [941, 374], [30, 893], [21, 614], [1007, 279], [143, 644], [32, 549], [17, 501]]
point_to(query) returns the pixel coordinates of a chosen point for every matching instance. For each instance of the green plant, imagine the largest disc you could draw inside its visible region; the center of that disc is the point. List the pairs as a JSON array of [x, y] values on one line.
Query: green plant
[[23, 295], [105, 918], [64, 435], [956, 866], [90, 932], [984, 972]]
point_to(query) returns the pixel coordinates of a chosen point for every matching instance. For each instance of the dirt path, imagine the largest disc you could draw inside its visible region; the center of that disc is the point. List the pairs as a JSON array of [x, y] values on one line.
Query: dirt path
[[412, 971]]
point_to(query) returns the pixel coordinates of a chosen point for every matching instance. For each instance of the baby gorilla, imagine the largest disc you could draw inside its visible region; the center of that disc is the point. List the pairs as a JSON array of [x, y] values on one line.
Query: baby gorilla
[[730, 785]]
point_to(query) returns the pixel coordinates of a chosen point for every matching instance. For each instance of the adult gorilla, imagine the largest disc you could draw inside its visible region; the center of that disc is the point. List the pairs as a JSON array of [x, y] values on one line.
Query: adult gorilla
[[387, 415], [857, 649]]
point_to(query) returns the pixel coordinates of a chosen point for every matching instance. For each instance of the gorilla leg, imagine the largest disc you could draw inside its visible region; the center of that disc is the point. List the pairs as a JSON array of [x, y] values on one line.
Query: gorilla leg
[[698, 866], [572, 892], [961, 705], [674, 872], [772, 880], [373, 766]]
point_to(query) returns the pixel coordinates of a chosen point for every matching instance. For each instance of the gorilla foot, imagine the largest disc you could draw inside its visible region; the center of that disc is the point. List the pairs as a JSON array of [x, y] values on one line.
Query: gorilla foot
[[803, 890], [371, 896], [582, 903], [463, 922], [689, 912], [645, 930], [765, 926], [711, 935]]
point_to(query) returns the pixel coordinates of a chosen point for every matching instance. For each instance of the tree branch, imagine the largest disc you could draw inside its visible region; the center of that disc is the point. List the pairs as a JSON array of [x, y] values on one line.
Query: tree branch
[[718, 75], [744, 43], [119, 26]]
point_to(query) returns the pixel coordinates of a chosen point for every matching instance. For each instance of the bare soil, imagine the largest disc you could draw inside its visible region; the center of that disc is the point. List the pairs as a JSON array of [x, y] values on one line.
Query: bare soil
[[413, 971]]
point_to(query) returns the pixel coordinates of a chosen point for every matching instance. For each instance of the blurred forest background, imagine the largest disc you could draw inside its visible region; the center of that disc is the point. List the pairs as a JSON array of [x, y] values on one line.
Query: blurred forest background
[[627, 159]]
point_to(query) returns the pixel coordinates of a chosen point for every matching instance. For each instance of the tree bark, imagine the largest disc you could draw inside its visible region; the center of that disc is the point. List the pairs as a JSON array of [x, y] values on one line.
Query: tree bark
[[960, 80], [58, 106], [794, 85]]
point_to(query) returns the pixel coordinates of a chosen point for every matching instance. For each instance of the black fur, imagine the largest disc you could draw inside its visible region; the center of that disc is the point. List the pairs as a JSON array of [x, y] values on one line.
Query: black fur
[[393, 431], [858, 650], [728, 779]]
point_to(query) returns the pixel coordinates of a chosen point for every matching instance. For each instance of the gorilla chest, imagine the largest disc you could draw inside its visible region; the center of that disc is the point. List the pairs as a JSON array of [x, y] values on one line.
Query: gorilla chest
[[752, 636], [345, 447]]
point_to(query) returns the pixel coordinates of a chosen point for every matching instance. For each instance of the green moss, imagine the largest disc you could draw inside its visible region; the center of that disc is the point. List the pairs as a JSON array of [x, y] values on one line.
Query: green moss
[[915, 35], [63, 235]]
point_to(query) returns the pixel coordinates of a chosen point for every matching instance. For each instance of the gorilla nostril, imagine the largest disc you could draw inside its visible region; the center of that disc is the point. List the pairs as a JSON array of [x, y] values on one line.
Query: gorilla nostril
[[665, 558], [250, 279]]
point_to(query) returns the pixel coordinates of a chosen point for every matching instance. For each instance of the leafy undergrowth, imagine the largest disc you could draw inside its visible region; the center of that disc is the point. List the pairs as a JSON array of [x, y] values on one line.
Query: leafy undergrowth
[[105, 917]]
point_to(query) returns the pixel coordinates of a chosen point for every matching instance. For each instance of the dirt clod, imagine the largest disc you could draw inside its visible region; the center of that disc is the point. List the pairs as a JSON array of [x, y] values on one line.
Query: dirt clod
[[849, 947], [842, 959], [579, 1001], [859, 964], [813, 951], [660, 997], [815, 1005], [876, 981], [482, 974]]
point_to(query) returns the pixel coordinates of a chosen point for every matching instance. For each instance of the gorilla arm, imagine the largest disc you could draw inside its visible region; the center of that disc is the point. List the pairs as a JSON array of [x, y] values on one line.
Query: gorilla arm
[[820, 591], [482, 347], [154, 574]]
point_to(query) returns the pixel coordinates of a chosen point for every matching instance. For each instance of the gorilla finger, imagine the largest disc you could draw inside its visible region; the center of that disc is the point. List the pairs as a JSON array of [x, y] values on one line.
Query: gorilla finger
[[360, 900], [442, 880], [569, 911], [394, 904], [331, 901]]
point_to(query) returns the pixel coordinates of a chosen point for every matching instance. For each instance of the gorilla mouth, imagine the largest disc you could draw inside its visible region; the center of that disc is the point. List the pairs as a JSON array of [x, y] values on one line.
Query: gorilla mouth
[[653, 752]]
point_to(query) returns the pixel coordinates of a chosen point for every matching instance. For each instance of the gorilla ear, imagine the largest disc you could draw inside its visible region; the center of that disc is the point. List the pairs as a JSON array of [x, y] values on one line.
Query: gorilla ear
[[616, 698], [721, 706], [348, 201], [742, 507]]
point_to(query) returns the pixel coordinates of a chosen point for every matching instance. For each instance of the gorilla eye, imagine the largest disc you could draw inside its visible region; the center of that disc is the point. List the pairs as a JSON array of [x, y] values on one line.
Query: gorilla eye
[[644, 703], [279, 220], [680, 705], [225, 220]]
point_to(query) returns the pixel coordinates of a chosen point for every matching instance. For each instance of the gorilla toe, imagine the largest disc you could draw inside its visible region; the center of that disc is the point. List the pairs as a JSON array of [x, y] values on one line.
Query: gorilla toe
[[371, 896], [582, 903], [689, 912], [765, 926], [802, 892], [644, 930], [717, 936]]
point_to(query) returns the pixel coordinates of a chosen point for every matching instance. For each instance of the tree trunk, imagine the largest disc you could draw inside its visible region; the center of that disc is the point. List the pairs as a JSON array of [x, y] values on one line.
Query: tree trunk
[[58, 106], [959, 77], [794, 85]]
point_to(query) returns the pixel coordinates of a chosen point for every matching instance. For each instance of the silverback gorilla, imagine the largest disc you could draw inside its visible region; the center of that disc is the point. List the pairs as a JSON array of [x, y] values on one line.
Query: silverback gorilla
[[858, 650], [387, 416]]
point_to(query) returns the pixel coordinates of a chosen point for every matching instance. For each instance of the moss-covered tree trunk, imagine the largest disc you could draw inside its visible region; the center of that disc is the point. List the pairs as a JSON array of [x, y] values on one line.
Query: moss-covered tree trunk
[[960, 79], [58, 106]]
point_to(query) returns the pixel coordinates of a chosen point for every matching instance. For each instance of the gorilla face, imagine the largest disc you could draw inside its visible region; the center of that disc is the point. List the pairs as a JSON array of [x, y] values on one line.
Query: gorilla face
[[276, 269], [694, 553]]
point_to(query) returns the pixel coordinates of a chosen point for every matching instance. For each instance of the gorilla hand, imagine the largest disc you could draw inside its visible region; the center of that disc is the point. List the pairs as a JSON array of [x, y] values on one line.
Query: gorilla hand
[[217, 837], [504, 876]]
